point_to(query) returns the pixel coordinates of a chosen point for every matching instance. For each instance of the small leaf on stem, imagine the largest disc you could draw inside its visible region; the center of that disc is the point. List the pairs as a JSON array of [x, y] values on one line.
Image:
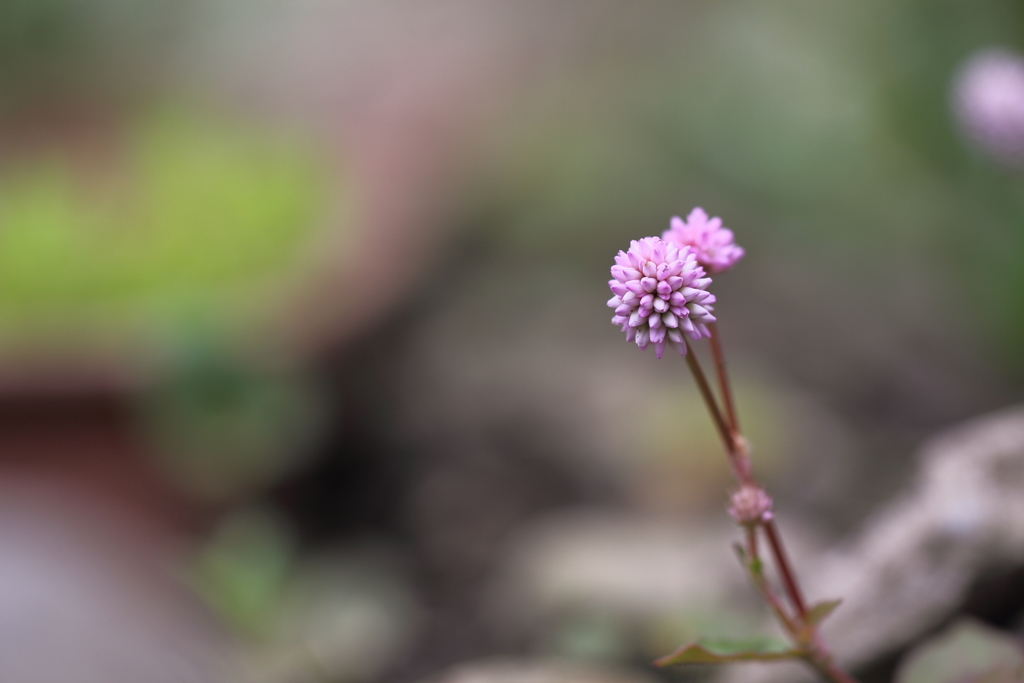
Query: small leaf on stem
[[818, 612], [724, 652], [752, 564]]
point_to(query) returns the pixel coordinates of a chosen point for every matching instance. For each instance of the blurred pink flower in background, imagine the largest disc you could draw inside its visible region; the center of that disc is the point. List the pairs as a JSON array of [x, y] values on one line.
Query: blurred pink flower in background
[[712, 243], [660, 295], [988, 101]]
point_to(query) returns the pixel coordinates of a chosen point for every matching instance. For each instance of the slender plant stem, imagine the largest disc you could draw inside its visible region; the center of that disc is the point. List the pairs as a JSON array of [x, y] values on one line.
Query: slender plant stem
[[723, 378], [803, 632], [754, 568], [709, 399], [785, 570]]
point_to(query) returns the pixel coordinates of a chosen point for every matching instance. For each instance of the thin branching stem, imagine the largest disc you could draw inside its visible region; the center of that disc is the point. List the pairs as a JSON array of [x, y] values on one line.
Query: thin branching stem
[[723, 379], [785, 569], [754, 568], [736, 459], [804, 632], [709, 399]]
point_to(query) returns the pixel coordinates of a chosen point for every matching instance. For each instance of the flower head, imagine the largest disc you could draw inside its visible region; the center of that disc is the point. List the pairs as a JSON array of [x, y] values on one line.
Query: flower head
[[750, 505], [988, 100], [660, 295], [712, 243]]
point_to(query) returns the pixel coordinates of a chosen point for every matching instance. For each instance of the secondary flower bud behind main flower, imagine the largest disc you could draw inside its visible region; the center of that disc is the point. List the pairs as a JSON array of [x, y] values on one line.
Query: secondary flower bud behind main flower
[[712, 243], [660, 295]]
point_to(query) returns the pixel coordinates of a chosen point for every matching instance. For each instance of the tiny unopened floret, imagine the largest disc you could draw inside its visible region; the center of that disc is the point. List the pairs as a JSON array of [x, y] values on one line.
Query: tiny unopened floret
[[750, 505]]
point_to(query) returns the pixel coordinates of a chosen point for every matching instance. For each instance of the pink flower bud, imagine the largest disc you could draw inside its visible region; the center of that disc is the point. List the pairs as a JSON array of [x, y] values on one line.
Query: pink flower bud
[[750, 505]]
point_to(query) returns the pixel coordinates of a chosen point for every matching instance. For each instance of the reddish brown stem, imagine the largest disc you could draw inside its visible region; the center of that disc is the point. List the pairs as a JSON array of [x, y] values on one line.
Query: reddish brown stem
[[804, 633], [737, 458], [757, 576], [782, 561], [709, 399], [723, 379]]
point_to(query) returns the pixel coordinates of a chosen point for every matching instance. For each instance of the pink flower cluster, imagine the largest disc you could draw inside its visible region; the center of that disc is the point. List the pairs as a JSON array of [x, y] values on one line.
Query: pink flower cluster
[[712, 243], [660, 295], [660, 284]]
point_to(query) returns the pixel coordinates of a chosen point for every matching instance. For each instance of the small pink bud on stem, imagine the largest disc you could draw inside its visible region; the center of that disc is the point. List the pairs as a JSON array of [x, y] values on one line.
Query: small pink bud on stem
[[750, 505]]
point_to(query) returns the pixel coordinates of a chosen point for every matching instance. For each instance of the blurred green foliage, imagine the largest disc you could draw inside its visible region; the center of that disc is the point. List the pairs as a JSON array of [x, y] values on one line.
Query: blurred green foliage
[[243, 569], [222, 429], [79, 46], [195, 207], [822, 133], [328, 615]]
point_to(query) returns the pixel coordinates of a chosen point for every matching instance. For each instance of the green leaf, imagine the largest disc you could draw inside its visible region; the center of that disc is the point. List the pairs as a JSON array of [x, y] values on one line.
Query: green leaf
[[754, 564], [820, 611], [724, 652]]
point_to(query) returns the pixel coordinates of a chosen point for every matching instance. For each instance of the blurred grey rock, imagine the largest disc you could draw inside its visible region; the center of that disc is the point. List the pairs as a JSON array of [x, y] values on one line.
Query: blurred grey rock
[[345, 617], [628, 564], [615, 587], [341, 613], [537, 671], [966, 651], [915, 560], [84, 598]]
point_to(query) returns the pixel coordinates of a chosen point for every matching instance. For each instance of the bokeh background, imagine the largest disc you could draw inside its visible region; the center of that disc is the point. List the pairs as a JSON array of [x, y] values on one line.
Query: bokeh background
[[306, 372]]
